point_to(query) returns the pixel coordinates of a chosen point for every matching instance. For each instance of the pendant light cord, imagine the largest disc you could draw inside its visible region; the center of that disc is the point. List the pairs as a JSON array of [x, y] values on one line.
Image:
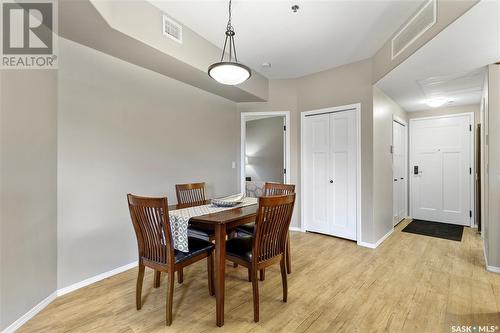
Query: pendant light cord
[[229, 72], [229, 26], [230, 35]]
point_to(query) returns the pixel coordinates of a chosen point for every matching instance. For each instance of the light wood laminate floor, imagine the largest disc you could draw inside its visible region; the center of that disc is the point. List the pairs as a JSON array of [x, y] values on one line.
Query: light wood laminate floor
[[410, 283]]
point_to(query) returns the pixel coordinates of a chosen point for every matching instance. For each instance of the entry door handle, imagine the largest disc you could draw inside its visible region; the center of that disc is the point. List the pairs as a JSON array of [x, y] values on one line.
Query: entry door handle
[[331, 181]]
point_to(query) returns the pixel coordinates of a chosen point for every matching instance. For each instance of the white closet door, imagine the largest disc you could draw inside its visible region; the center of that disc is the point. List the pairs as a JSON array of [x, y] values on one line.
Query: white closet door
[[440, 189], [317, 164], [330, 174], [395, 171], [403, 170], [342, 181], [399, 172]]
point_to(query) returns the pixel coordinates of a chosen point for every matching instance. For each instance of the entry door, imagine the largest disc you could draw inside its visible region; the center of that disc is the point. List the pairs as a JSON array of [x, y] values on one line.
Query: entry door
[[399, 171], [440, 169], [330, 173]]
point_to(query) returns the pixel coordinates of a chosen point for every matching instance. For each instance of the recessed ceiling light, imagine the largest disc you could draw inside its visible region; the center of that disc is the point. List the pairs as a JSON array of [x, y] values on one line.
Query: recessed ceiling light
[[437, 102], [266, 64]]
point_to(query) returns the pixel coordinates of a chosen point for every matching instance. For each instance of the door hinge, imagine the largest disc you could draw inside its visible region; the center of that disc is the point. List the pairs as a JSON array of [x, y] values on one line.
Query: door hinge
[[470, 213], [470, 171], [284, 171], [284, 128], [470, 128]]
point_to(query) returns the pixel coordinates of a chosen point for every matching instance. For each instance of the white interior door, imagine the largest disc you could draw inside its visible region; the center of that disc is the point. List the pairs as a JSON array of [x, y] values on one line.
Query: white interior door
[[399, 171], [317, 164], [441, 169], [330, 173]]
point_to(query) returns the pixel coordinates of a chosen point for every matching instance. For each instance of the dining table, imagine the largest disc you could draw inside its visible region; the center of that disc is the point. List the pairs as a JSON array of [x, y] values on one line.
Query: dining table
[[221, 222]]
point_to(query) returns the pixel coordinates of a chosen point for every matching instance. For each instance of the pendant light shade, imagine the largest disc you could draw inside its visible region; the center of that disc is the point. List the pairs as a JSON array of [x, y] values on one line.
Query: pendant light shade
[[229, 72]]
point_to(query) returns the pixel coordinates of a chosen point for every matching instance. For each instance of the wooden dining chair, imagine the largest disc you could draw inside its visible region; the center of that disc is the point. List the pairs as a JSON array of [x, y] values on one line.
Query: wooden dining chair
[[191, 194], [154, 241], [268, 244], [271, 189]]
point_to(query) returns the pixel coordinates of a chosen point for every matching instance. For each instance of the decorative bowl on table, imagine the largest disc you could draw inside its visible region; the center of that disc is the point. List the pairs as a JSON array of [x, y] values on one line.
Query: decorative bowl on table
[[230, 201]]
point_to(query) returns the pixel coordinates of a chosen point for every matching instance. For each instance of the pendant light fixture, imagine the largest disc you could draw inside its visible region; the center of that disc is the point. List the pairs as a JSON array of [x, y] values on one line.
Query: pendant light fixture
[[229, 72]]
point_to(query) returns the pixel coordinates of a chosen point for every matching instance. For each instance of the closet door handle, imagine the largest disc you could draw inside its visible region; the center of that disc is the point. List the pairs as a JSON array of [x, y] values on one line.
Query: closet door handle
[[331, 181]]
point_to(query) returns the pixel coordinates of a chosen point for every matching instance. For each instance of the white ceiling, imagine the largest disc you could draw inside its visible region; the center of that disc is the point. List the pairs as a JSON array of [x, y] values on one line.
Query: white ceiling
[[450, 66], [321, 35]]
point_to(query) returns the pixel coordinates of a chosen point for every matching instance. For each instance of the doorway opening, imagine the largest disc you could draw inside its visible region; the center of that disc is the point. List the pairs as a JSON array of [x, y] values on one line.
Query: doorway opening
[[265, 149]]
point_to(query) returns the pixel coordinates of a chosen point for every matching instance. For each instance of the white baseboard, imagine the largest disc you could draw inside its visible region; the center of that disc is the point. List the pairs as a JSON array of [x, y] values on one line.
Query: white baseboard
[[95, 279], [377, 243], [295, 229], [30, 314], [40, 306], [489, 268], [493, 269]]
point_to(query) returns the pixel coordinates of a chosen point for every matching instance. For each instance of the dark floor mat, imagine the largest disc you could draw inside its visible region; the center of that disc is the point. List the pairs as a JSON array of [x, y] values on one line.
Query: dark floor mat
[[435, 229]]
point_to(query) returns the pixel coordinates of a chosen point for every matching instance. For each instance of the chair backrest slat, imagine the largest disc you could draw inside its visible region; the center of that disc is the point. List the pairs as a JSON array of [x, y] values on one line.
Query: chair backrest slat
[[152, 228], [190, 193], [271, 226], [271, 189]]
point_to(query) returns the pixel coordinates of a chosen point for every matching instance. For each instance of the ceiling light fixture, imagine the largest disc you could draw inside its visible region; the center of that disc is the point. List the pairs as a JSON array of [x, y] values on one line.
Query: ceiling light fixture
[[229, 72], [437, 102]]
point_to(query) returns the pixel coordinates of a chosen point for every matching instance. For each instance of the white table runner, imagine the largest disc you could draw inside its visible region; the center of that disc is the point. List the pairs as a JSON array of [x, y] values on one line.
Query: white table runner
[[179, 220]]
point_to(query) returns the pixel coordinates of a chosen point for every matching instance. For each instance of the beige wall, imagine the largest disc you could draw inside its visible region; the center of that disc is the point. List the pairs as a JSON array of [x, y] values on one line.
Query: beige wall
[[442, 111], [344, 85], [492, 238], [283, 97], [484, 116], [28, 155], [384, 110], [126, 129]]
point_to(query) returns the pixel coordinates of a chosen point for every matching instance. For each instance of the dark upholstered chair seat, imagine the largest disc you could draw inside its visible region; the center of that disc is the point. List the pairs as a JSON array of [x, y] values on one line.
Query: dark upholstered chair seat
[[240, 247], [156, 251], [246, 228], [196, 246], [205, 234]]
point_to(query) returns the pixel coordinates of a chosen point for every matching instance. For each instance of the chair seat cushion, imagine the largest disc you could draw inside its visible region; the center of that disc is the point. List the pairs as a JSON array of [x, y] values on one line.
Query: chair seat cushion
[[196, 246], [240, 247], [247, 228], [201, 233]]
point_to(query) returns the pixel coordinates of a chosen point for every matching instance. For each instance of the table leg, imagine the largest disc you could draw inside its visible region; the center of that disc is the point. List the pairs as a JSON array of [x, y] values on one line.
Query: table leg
[[220, 271]]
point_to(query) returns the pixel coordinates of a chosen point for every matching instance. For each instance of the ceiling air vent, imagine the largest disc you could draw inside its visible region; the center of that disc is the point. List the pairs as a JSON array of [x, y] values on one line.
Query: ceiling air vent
[[416, 26], [172, 29]]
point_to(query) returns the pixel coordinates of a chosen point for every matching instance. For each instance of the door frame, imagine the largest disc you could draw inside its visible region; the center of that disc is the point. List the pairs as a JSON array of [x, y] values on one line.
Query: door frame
[[471, 159], [357, 108], [403, 122], [244, 116]]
